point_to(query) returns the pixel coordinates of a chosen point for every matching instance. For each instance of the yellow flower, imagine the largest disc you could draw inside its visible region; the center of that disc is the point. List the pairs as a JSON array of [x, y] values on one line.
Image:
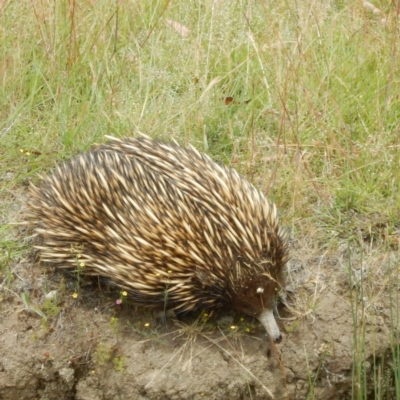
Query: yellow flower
[[82, 264], [233, 327], [147, 324], [75, 295], [125, 293]]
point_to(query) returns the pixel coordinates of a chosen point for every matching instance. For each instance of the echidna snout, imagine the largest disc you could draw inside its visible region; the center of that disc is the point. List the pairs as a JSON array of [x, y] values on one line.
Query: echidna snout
[[167, 224], [267, 319]]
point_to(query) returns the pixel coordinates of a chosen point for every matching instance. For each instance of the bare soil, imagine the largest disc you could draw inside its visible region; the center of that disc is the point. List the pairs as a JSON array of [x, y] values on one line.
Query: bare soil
[[89, 348]]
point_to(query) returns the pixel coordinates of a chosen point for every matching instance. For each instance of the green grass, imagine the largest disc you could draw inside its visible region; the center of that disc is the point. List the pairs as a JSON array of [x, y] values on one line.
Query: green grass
[[313, 121]]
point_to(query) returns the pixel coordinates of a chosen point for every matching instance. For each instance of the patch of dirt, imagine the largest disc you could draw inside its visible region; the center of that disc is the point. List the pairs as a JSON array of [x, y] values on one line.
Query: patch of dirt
[[92, 349]]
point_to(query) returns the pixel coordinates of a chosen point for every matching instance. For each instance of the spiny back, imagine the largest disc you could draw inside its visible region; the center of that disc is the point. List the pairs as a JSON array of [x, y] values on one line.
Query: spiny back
[[165, 222]]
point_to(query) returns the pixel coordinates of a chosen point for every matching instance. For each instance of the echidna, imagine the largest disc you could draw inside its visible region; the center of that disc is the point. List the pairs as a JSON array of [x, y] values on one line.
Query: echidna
[[175, 229]]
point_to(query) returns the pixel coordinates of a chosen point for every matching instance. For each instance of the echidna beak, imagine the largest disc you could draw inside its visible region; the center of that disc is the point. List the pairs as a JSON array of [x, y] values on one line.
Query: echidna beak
[[268, 321]]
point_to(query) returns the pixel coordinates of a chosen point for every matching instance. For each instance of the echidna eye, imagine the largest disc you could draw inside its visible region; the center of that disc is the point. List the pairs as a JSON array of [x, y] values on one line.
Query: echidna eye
[[260, 290]]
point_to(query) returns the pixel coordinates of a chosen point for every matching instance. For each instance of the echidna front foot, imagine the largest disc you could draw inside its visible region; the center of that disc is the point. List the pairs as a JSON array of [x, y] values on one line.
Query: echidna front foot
[[267, 319]]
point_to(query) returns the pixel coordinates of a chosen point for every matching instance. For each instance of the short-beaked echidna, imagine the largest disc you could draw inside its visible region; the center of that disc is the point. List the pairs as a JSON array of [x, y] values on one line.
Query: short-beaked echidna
[[175, 229]]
